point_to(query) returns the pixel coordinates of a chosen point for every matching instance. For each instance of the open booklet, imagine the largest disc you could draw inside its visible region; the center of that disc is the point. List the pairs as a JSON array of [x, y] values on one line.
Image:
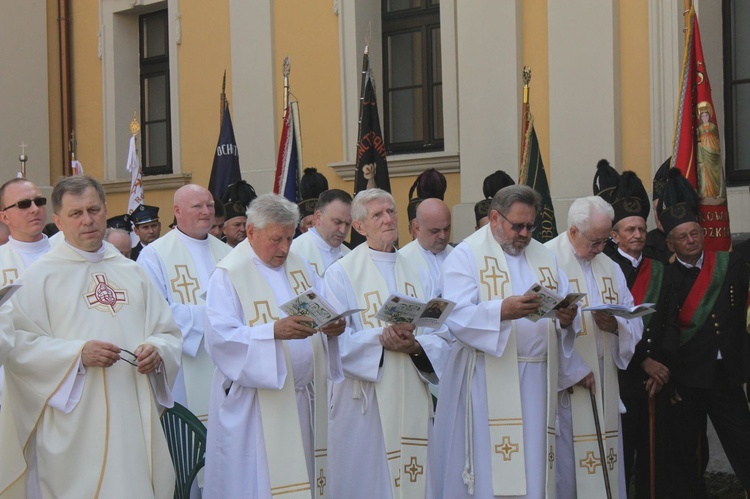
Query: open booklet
[[624, 311], [550, 302], [399, 309], [311, 304], [7, 291]]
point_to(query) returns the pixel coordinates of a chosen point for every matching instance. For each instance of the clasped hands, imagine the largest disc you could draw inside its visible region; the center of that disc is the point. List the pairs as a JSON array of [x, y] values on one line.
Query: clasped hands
[[297, 327], [97, 353], [400, 338], [520, 306]]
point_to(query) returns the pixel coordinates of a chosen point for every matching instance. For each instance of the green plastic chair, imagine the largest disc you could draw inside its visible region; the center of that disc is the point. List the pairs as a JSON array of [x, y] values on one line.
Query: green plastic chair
[[186, 438]]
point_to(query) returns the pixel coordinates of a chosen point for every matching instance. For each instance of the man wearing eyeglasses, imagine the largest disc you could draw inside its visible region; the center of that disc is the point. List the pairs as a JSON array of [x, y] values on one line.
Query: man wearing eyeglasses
[[323, 244], [78, 422], [23, 210], [494, 431], [605, 344]]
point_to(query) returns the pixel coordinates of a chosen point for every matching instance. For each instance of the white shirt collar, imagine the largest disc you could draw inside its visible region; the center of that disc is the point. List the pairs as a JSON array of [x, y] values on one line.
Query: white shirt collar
[[89, 256], [698, 264], [33, 247], [633, 261], [321, 243]]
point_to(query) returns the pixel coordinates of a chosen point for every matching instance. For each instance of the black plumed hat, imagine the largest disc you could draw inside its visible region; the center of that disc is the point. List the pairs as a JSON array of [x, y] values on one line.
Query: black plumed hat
[[660, 178], [236, 198], [678, 203], [630, 198], [606, 181], [494, 182], [311, 185], [428, 184]]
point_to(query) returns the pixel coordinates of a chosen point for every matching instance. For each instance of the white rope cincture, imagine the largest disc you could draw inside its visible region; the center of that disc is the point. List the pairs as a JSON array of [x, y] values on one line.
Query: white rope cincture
[[358, 392], [468, 474]]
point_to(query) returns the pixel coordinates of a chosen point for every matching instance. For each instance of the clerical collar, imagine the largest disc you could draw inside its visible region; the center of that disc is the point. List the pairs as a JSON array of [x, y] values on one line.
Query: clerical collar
[[383, 256], [698, 264], [91, 257], [257, 259], [191, 240], [322, 244], [582, 261], [39, 246], [430, 252], [633, 261]]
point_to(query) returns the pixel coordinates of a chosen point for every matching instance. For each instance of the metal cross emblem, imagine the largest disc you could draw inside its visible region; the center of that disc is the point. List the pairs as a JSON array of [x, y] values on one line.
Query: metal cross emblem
[[103, 296], [189, 284], [490, 275], [506, 448], [413, 469], [321, 481], [590, 462]]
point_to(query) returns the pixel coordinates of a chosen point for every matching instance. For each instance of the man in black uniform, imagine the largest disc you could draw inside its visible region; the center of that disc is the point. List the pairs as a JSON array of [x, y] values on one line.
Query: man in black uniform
[[656, 240], [707, 344], [645, 375], [147, 227]]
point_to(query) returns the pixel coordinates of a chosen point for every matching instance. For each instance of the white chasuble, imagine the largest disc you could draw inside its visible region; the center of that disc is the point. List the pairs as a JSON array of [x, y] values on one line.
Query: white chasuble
[[11, 264], [318, 253], [110, 441], [432, 263], [288, 471], [403, 398], [505, 417], [185, 285], [602, 285]]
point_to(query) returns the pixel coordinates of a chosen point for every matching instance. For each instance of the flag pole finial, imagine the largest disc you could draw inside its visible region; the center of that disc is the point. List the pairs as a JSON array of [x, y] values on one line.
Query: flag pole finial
[[135, 127], [526, 80], [23, 158], [286, 70]]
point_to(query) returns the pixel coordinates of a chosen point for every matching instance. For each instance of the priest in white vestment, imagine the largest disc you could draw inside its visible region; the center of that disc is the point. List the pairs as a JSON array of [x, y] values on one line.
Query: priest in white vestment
[[23, 210], [268, 411], [429, 250], [180, 264], [323, 243], [381, 414], [495, 423], [606, 344], [95, 351]]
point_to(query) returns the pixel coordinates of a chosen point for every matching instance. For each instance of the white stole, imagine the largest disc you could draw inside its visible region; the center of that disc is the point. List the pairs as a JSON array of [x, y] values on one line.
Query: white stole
[[403, 397], [589, 479], [183, 283], [12, 264], [287, 464], [504, 392]]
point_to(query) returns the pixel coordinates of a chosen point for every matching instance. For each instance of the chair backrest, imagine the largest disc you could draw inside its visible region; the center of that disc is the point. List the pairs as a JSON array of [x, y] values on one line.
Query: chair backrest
[[186, 438]]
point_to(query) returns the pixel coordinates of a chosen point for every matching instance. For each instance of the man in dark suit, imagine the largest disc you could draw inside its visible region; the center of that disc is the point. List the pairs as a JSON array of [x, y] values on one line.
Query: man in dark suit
[[707, 345], [645, 375], [147, 227]]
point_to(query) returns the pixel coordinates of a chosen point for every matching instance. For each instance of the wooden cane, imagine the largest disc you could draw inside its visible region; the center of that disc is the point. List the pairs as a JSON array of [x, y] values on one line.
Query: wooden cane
[[600, 441], [652, 443]]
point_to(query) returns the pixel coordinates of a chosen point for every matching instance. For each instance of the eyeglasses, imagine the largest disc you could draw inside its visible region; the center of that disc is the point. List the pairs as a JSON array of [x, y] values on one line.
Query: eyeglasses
[[595, 243], [25, 204], [515, 227], [133, 362]]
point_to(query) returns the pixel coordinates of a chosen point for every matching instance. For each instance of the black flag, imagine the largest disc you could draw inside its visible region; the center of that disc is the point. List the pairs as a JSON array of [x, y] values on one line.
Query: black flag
[[372, 167], [226, 168]]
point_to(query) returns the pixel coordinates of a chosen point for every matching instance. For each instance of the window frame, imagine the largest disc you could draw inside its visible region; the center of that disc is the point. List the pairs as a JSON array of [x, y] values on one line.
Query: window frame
[[422, 19], [734, 176]]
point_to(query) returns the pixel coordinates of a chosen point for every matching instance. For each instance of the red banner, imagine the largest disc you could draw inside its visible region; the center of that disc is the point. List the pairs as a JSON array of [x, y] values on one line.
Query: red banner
[[697, 148]]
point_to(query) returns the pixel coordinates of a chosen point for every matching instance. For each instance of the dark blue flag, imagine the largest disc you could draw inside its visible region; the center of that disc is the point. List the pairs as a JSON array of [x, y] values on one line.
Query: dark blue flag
[[226, 168]]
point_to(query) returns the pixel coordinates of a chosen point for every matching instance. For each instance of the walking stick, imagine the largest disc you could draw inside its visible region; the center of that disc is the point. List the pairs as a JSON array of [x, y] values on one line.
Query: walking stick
[[600, 441], [652, 443]]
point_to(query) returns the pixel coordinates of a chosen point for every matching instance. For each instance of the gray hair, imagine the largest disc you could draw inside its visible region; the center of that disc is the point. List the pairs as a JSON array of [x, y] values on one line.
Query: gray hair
[[112, 230], [271, 208], [582, 209], [506, 197], [74, 186], [363, 198]]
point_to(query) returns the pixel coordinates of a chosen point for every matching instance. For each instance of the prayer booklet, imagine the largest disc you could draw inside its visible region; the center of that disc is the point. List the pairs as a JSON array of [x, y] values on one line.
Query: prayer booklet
[[311, 304], [7, 291], [623, 311], [550, 302], [400, 309]]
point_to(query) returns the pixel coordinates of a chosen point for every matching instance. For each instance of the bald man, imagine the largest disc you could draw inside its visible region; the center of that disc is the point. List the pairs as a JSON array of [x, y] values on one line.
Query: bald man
[[120, 239], [180, 264], [430, 249]]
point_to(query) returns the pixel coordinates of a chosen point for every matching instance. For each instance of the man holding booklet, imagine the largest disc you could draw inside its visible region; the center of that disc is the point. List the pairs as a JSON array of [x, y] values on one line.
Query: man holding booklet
[[381, 413], [268, 410], [606, 343], [495, 424]]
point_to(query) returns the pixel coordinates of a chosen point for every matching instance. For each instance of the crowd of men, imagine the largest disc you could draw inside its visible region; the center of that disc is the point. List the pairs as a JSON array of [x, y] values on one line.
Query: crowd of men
[[113, 322]]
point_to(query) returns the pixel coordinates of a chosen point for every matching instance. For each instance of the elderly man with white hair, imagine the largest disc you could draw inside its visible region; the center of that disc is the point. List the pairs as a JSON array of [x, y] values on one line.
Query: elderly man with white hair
[[268, 407], [606, 343], [381, 413]]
